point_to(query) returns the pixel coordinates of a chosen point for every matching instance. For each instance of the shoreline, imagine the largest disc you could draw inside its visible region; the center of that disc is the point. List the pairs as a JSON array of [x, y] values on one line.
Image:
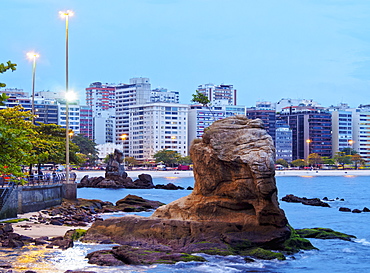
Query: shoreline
[[278, 173], [36, 230]]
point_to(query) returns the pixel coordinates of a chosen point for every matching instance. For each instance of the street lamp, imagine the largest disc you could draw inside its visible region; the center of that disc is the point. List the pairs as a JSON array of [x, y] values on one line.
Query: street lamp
[[123, 137], [66, 14], [350, 142], [32, 56], [308, 141]]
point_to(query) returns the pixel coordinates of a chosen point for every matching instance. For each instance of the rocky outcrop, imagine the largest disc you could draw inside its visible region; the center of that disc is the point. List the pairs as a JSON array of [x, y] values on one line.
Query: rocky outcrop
[[233, 206], [290, 198], [144, 181], [234, 178]]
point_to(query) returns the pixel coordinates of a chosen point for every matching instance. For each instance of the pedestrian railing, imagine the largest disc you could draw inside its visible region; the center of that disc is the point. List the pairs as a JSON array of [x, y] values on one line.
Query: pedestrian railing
[[5, 191], [48, 179]]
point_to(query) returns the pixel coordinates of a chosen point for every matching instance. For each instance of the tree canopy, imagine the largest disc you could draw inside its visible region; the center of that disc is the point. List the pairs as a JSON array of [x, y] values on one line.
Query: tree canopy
[[200, 98], [168, 157], [282, 162], [25, 144], [16, 130], [87, 147], [4, 68]]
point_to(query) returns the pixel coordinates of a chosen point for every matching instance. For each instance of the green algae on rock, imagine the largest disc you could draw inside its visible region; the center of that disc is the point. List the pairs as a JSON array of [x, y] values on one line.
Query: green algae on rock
[[324, 233]]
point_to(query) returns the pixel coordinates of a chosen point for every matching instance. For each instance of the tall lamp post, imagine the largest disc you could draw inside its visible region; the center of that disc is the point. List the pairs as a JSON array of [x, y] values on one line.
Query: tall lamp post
[[66, 14], [123, 137], [32, 56], [308, 141]]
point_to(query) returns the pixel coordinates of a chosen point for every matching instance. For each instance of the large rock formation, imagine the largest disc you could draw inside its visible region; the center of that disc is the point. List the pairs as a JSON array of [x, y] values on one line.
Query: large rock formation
[[234, 177], [233, 206]]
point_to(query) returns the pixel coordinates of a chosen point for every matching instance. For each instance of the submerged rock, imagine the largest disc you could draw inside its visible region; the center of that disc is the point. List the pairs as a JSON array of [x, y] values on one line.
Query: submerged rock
[[290, 198]]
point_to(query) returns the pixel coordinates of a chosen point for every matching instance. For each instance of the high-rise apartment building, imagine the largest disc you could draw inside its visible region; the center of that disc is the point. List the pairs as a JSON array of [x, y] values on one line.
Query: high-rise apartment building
[[265, 112], [200, 117], [100, 97], [86, 122], [134, 93], [361, 141], [73, 116], [223, 94], [157, 126], [283, 141], [163, 95], [46, 110], [105, 122], [342, 128], [311, 130]]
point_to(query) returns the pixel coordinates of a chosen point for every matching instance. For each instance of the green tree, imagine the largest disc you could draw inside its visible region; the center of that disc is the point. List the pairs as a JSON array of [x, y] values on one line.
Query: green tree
[[168, 157], [87, 147], [357, 160], [341, 158], [314, 159], [202, 99], [282, 162], [299, 163], [49, 146], [184, 160], [131, 161], [5, 67], [348, 151], [328, 161], [16, 129]]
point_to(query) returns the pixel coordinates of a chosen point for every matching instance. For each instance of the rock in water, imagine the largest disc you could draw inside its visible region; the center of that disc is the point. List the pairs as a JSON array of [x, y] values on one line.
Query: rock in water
[[233, 206], [234, 177]]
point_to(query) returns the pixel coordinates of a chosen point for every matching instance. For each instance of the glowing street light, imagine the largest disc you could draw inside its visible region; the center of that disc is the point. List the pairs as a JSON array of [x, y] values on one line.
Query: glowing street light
[[32, 56], [308, 141], [66, 15], [123, 137]]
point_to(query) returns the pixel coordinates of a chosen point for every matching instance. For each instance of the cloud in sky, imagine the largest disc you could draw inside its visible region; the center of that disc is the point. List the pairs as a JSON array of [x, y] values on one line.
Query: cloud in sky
[[268, 49]]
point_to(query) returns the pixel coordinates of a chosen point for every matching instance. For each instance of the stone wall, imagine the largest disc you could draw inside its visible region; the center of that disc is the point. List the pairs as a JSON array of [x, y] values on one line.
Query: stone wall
[[33, 198]]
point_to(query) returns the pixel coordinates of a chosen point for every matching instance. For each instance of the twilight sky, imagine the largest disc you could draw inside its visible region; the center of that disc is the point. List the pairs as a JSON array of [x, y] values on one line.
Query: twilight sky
[[268, 49]]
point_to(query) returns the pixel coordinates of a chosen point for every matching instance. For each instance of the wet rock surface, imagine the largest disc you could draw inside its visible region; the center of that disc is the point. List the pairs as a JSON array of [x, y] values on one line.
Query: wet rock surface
[[10, 239], [290, 198]]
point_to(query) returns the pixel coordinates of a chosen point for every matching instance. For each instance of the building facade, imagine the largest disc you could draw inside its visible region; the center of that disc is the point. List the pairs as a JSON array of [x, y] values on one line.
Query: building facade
[[105, 124], [100, 97], [268, 116], [311, 130], [283, 142], [157, 126], [223, 94], [201, 117]]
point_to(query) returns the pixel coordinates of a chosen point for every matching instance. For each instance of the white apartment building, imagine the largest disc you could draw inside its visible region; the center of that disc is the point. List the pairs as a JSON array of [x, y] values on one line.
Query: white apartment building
[[100, 96], [362, 132], [223, 94], [106, 149], [201, 117], [105, 127], [137, 92], [163, 95], [342, 130], [157, 126], [73, 117]]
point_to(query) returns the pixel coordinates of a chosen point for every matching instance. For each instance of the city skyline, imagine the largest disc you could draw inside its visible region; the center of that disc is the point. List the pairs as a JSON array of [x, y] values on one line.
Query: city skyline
[[267, 50]]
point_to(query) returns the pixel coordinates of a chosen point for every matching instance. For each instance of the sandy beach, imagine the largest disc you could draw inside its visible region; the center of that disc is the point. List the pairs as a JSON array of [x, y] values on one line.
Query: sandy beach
[[36, 230]]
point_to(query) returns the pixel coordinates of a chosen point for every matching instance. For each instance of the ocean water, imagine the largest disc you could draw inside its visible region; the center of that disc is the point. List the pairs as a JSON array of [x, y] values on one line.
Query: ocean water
[[332, 256]]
